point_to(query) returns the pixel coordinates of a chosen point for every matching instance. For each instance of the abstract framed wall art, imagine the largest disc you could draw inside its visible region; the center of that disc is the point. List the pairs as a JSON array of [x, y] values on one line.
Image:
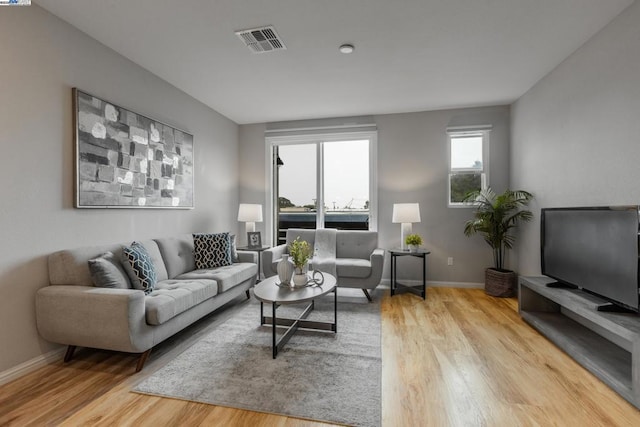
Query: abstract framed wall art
[[127, 160]]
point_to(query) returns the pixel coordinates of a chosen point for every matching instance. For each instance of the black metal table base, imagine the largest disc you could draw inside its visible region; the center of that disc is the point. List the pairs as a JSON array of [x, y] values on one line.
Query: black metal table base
[[398, 288], [416, 290], [293, 325]]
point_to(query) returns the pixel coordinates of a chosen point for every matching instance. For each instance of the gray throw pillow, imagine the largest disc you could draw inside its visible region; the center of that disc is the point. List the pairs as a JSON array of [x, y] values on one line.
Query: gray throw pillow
[[107, 272], [234, 250]]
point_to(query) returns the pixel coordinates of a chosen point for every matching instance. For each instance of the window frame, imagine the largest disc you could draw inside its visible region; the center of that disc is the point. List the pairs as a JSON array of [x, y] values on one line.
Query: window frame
[[468, 132], [274, 141]]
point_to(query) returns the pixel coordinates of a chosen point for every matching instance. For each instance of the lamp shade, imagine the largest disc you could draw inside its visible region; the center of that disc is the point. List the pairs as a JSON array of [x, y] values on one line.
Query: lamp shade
[[406, 213], [250, 212]]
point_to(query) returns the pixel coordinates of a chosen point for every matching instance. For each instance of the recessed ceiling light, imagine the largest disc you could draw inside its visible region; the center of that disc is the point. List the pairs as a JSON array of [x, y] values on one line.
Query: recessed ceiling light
[[346, 48]]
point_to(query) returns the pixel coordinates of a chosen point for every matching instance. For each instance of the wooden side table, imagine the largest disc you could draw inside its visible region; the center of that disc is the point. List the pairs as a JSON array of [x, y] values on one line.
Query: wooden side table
[[396, 287], [259, 251]]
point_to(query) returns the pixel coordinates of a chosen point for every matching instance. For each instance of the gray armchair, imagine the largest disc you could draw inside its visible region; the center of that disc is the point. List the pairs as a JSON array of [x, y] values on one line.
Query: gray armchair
[[358, 262]]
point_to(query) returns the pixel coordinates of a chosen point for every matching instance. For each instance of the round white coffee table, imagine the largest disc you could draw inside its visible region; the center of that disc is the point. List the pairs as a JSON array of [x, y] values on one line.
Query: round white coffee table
[[270, 291]]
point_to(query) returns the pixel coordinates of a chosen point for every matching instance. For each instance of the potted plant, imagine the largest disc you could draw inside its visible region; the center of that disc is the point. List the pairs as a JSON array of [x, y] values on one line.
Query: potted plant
[[495, 217], [300, 252], [413, 241]]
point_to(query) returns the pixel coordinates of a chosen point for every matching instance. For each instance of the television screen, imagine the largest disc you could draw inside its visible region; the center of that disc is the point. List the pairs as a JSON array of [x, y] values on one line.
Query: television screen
[[595, 249]]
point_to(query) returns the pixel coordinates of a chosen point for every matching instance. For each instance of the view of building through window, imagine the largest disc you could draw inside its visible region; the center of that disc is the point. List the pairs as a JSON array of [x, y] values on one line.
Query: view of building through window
[[297, 178], [342, 167]]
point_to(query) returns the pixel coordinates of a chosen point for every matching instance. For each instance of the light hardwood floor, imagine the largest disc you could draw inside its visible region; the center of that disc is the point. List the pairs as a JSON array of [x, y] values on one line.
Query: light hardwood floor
[[460, 358]]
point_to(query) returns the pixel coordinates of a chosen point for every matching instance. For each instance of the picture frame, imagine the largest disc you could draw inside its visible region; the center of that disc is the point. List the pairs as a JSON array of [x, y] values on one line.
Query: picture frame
[[254, 240], [124, 159]]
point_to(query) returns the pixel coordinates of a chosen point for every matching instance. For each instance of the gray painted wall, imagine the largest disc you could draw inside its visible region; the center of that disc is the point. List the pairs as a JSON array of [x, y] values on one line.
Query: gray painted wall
[[412, 167], [576, 133], [42, 59], [253, 176]]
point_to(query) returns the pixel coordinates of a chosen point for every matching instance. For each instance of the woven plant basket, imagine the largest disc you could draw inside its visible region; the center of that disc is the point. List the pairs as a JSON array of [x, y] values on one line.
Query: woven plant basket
[[500, 283]]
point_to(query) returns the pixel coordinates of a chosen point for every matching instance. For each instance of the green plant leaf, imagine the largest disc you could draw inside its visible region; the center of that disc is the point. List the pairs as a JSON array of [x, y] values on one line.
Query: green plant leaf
[[495, 216]]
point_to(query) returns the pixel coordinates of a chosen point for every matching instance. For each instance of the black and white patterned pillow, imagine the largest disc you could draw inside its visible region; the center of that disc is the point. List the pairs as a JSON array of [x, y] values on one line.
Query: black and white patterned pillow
[[212, 250], [140, 267]]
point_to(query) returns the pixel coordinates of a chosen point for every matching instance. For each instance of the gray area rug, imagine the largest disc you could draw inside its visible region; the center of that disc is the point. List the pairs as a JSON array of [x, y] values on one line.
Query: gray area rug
[[318, 375]]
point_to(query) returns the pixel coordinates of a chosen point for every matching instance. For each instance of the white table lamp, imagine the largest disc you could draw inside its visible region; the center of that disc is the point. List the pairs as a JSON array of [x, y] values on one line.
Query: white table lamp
[[405, 214], [250, 213]]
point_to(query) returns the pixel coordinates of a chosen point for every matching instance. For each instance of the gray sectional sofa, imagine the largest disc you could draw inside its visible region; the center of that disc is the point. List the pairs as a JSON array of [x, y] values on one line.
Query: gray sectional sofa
[[358, 260], [73, 312]]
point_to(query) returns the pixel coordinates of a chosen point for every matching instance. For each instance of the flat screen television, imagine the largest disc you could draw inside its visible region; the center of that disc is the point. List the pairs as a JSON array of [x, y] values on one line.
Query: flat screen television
[[594, 249]]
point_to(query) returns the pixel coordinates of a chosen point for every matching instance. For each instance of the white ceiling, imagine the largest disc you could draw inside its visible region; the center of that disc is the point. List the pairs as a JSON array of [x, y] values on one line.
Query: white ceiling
[[411, 55]]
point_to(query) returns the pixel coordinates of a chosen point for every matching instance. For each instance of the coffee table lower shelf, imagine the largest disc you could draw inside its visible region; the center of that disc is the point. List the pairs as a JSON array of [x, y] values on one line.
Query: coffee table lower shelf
[[269, 291], [293, 325]]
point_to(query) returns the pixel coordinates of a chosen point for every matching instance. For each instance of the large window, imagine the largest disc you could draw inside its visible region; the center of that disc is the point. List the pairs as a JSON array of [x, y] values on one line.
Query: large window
[[323, 182], [346, 184], [468, 164]]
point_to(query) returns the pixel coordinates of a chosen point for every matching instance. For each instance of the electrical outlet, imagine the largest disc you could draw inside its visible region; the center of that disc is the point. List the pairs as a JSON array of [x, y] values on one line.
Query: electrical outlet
[[450, 260]]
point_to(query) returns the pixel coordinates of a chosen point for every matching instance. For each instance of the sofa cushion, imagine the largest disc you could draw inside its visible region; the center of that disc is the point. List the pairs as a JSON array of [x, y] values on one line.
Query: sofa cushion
[[212, 250], [177, 253], [154, 252], [226, 276], [172, 297], [356, 244], [353, 267], [140, 267], [107, 272]]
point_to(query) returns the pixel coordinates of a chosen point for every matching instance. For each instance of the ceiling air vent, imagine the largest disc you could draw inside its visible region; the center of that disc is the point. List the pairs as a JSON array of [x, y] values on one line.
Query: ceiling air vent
[[260, 40]]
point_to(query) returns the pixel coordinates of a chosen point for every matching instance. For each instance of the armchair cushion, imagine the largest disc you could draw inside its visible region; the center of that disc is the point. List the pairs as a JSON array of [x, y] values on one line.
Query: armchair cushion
[[356, 244], [353, 267]]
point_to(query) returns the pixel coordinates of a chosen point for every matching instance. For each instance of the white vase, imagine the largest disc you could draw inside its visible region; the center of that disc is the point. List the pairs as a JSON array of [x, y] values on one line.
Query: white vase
[[300, 277], [285, 270], [300, 280]]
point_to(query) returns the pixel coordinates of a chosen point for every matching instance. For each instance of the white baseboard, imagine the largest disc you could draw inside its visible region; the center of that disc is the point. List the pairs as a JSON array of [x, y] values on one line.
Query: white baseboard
[[386, 283], [31, 365]]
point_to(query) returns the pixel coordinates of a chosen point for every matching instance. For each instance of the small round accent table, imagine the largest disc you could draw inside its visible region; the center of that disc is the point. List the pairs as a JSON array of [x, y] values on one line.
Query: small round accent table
[[270, 291]]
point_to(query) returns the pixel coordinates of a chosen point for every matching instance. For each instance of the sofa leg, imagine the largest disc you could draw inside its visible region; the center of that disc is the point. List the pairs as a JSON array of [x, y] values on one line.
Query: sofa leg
[[248, 294], [143, 358], [69, 354], [366, 294]]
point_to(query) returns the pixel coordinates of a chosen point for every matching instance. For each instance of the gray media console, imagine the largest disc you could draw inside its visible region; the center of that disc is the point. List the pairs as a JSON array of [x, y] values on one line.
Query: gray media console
[[607, 344]]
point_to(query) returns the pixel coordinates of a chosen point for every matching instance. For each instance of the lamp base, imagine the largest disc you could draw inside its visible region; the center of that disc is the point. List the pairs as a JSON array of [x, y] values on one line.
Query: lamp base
[[250, 227], [405, 230]]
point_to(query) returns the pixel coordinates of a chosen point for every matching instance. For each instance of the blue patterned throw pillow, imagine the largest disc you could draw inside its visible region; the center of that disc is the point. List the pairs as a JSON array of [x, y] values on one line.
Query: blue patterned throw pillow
[[212, 250], [140, 267]]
